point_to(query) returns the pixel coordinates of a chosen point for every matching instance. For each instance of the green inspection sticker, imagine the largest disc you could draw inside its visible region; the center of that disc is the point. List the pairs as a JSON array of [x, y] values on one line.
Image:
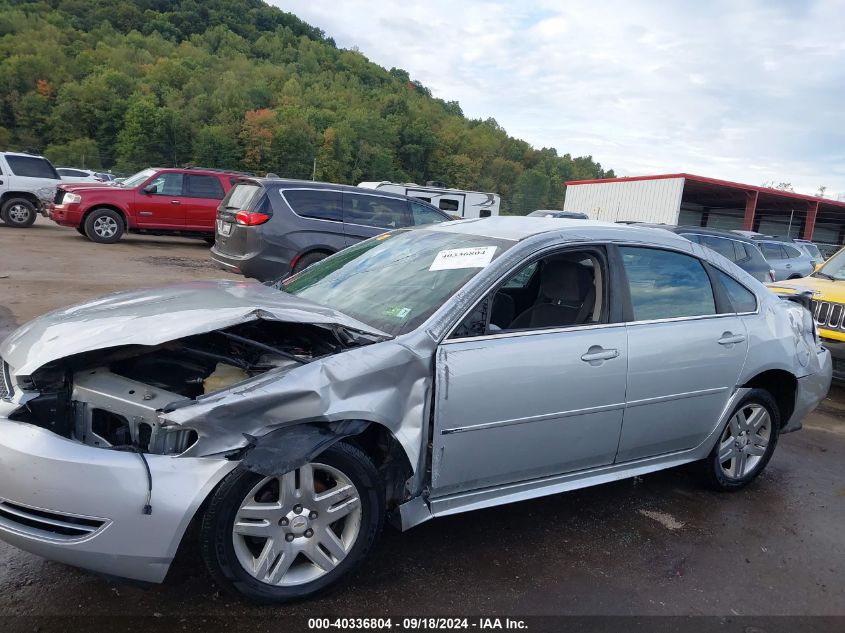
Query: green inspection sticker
[[398, 312]]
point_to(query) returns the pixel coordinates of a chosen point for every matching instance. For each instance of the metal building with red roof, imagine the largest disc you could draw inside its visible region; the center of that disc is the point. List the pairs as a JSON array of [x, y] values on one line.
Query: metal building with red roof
[[697, 200]]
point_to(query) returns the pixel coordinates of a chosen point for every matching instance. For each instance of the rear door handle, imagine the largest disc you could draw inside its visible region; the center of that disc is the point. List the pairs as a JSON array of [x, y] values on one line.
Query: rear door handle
[[175, 202], [596, 354], [729, 338]]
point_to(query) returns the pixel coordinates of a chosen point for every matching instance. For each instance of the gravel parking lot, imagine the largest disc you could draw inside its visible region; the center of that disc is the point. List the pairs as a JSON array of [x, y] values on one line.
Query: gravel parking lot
[[659, 545]]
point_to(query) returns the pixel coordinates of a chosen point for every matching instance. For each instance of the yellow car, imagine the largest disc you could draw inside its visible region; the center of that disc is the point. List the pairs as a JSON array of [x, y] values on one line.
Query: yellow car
[[827, 284]]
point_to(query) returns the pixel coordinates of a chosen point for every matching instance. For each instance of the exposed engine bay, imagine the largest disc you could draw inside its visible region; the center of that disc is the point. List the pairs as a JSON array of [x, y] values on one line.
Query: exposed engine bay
[[112, 398]]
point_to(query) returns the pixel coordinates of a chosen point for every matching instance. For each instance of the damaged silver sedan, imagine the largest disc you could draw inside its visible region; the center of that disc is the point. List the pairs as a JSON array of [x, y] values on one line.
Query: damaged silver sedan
[[418, 374]]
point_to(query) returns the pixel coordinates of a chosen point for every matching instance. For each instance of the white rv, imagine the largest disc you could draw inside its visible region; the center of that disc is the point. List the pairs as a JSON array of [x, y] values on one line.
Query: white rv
[[464, 204]]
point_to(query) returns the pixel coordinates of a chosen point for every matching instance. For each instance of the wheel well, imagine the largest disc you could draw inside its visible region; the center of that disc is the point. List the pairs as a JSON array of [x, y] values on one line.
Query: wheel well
[[320, 249], [20, 194], [782, 386], [117, 210], [389, 457]]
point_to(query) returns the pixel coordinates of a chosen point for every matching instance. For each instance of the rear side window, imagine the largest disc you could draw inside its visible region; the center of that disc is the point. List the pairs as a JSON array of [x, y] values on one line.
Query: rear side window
[[317, 204], [72, 172], [424, 214], [240, 196], [722, 246], [203, 187], [666, 285], [383, 213], [31, 167], [742, 299], [791, 251], [772, 251]]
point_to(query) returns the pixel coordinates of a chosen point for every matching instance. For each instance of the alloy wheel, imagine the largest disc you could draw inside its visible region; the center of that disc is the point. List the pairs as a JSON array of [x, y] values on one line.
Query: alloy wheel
[[105, 227], [18, 213], [294, 528], [744, 441]]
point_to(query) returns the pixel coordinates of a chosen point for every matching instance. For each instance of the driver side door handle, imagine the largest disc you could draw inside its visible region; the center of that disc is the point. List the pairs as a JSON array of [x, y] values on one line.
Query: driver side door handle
[[596, 354]]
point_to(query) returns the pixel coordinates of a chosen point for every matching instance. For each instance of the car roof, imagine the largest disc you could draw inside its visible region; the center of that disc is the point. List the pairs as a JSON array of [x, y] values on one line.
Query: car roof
[[290, 183], [204, 171], [700, 230], [23, 154], [517, 228]]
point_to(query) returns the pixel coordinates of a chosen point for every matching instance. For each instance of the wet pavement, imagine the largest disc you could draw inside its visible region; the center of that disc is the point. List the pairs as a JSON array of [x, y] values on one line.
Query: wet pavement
[[657, 545]]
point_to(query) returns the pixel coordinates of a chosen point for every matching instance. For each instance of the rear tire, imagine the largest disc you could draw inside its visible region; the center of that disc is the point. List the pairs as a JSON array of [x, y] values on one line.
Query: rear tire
[[745, 445], [289, 537], [104, 226], [81, 230], [18, 213], [306, 260]]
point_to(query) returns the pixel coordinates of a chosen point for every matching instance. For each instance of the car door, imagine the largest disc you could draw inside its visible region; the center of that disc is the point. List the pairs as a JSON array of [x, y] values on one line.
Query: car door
[[366, 215], [777, 259], [202, 196], [159, 202], [686, 349], [521, 399]]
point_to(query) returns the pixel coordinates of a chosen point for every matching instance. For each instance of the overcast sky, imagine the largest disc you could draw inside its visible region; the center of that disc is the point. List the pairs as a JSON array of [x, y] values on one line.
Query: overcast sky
[[751, 91]]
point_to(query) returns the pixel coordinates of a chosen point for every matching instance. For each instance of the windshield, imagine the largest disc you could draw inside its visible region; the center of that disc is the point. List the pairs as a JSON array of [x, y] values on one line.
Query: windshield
[[137, 179], [395, 281], [834, 268]]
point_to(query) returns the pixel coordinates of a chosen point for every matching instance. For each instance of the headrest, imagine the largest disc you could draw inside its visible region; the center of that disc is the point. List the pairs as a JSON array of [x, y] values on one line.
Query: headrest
[[565, 281]]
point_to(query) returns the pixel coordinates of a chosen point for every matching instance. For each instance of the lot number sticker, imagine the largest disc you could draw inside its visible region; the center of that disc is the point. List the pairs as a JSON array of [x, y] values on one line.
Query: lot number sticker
[[475, 257]]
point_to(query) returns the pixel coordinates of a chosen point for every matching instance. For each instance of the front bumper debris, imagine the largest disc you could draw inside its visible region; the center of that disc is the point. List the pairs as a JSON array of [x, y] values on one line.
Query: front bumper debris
[[83, 505]]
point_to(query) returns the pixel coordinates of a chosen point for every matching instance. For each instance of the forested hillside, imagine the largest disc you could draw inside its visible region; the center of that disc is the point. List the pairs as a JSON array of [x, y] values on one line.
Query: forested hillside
[[240, 84]]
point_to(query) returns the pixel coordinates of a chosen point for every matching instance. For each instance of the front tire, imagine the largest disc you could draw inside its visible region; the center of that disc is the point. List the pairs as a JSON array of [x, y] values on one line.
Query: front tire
[[289, 537], [104, 226], [746, 444], [18, 213]]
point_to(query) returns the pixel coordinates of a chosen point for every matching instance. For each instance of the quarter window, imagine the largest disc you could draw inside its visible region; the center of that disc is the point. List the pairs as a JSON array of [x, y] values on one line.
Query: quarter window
[[666, 285], [742, 299], [377, 211], [423, 214], [203, 187], [317, 204]]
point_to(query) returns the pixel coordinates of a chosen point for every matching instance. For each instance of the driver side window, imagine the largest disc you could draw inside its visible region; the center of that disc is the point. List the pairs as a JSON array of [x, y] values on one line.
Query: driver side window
[[565, 289]]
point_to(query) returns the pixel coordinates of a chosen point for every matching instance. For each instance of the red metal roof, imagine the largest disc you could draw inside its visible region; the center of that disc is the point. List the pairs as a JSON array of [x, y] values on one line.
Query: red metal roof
[[720, 183]]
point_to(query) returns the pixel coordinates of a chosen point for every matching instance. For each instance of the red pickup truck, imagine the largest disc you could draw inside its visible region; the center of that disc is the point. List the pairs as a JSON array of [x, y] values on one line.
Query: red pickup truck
[[169, 201]]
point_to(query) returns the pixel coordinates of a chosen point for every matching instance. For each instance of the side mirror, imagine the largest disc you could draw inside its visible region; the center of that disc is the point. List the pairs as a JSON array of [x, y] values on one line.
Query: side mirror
[[149, 190]]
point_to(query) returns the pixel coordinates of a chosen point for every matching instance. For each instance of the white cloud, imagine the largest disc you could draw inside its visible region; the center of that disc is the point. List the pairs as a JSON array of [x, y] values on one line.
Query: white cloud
[[747, 91]]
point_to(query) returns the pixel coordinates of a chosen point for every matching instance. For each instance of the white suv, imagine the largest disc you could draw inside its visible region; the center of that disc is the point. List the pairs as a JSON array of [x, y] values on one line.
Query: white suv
[[27, 184]]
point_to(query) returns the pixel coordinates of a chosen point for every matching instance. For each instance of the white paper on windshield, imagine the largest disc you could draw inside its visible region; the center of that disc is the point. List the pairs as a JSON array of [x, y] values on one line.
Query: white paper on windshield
[[473, 257]]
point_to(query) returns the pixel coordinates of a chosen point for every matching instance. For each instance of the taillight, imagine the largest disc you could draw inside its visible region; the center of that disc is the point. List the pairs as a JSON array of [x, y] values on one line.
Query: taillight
[[251, 218], [772, 274]]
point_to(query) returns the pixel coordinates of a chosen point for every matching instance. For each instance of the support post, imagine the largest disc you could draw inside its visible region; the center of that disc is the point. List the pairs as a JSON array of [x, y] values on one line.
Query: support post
[[810, 222], [750, 210]]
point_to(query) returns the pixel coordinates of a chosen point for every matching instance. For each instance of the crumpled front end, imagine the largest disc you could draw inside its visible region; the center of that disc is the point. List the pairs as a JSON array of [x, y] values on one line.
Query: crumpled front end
[[107, 451]]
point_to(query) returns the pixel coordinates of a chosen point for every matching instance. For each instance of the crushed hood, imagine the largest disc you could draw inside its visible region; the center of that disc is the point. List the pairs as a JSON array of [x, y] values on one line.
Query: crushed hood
[[155, 316]]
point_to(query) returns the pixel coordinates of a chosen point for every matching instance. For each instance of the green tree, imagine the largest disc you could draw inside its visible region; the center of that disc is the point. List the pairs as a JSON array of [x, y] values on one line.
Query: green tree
[[80, 152]]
